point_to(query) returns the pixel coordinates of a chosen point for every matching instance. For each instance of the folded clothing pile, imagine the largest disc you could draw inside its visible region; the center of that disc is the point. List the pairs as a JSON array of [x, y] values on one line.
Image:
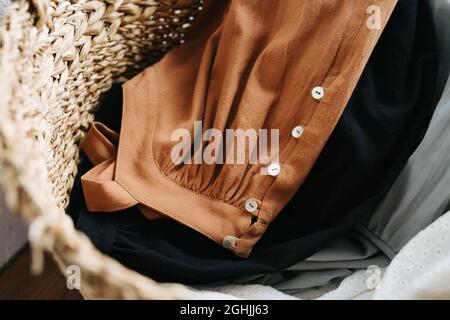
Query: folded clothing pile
[[380, 125]]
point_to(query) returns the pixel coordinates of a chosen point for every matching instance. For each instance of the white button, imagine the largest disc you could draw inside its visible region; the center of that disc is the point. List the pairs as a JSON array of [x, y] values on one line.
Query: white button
[[297, 131], [318, 93], [229, 242], [274, 169], [251, 205]]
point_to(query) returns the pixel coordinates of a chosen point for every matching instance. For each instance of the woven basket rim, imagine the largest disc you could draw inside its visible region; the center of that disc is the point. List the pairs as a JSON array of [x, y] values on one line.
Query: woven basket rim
[[64, 54]]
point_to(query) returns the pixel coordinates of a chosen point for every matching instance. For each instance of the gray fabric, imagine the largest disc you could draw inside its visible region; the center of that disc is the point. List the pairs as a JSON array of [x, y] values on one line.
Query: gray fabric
[[441, 14], [3, 5], [311, 279], [421, 193], [352, 247], [327, 267], [379, 259]]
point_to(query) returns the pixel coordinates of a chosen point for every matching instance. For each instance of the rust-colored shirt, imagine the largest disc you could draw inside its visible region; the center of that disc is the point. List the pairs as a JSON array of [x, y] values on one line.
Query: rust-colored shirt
[[288, 66]]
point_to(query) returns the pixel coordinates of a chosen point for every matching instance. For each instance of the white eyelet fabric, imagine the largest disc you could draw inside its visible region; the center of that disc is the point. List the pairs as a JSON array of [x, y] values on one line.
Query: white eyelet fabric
[[422, 268]]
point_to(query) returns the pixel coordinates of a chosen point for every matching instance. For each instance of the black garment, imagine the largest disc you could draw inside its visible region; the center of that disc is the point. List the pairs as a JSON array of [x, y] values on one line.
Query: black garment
[[385, 120]]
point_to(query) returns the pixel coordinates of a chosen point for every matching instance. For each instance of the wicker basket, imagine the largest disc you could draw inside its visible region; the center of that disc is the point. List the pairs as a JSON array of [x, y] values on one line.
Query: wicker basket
[[57, 57]]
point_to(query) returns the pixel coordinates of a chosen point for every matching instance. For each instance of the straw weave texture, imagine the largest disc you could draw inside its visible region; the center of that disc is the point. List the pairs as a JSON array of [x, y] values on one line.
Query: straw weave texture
[[56, 59]]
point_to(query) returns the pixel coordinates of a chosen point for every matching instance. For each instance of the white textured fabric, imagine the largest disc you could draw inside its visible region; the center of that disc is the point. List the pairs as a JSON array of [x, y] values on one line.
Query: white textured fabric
[[422, 268], [246, 292], [355, 287]]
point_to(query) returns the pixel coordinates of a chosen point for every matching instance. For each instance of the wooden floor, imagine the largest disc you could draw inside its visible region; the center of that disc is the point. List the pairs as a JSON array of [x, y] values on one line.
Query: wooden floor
[[16, 282]]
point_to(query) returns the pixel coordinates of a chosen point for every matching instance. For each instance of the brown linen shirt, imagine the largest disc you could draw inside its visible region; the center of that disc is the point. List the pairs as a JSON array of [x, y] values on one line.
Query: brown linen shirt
[[288, 65]]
